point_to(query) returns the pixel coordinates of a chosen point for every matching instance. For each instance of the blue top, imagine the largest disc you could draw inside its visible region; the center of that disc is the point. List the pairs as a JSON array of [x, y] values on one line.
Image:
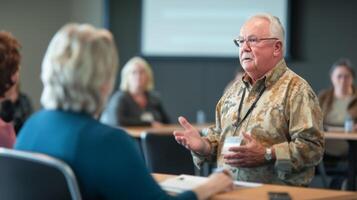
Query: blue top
[[106, 160]]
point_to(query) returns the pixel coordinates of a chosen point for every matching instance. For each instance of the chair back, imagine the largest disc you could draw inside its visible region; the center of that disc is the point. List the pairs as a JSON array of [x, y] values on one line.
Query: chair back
[[164, 155], [25, 175]]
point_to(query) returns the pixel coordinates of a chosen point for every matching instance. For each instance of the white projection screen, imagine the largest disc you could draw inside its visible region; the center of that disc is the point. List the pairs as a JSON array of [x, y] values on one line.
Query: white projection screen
[[200, 28]]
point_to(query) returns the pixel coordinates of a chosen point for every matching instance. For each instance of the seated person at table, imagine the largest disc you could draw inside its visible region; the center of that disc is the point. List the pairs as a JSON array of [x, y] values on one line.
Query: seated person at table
[[22, 107], [335, 103], [78, 72], [135, 104], [9, 66]]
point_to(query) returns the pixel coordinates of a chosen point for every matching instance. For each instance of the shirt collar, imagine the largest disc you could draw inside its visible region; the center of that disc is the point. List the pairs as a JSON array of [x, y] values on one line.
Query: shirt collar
[[270, 77]]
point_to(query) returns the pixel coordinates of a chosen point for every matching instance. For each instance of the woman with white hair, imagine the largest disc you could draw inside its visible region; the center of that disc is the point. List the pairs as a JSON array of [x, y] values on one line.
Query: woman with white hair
[[78, 72], [136, 104]]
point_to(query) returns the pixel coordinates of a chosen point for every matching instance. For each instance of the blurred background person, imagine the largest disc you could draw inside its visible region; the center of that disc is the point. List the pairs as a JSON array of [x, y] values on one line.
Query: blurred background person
[[337, 106], [9, 66], [335, 102], [78, 73], [22, 106], [135, 104]]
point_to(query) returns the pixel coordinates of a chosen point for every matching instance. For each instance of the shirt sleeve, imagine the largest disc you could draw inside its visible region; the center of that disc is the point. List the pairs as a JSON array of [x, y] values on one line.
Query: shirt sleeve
[[305, 146]]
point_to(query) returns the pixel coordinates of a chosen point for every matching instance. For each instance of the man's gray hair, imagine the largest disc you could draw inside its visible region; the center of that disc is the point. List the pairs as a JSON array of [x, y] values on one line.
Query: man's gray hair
[[276, 28], [129, 67], [79, 63]]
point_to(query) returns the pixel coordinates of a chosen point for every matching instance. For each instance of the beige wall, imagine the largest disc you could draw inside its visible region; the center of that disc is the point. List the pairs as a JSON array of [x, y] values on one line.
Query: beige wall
[[34, 23], [88, 11]]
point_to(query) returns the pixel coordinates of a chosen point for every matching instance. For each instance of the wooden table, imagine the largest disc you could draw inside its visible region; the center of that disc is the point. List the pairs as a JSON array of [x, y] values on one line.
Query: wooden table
[[351, 138], [136, 131], [341, 136], [261, 193]]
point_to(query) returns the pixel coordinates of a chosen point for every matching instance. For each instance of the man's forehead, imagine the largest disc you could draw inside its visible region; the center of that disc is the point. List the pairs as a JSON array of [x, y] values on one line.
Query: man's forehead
[[255, 26]]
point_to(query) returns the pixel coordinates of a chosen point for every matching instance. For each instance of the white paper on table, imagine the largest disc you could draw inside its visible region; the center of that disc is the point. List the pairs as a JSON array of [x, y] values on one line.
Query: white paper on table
[[184, 182]]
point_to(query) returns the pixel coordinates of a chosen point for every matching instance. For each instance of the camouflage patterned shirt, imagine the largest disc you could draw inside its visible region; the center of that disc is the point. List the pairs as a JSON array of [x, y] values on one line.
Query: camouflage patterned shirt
[[287, 117]]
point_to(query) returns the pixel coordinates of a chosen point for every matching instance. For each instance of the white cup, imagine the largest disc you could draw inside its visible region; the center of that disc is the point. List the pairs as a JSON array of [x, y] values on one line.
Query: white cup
[[349, 125], [231, 141]]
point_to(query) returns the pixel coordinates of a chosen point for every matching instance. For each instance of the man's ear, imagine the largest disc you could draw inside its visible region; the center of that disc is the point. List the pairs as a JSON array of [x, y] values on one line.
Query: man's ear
[[278, 48]]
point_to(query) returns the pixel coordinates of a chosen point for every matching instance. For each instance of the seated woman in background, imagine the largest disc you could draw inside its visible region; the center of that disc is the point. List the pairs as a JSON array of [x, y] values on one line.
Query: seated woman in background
[[78, 73], [336, 103], [135, 104], [9, 66]]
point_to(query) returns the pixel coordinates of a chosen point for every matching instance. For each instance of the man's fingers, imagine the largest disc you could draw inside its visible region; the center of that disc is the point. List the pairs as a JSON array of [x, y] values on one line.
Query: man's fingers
[[234, 156], [184, 123], [181, 140], [239, 149], [234, 162], [239, 163], [247, 137], [179, 133]]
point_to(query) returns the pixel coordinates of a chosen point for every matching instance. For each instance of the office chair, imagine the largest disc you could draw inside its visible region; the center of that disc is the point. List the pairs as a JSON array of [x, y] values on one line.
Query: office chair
[[25, 175], [164, 155], [322, 171]]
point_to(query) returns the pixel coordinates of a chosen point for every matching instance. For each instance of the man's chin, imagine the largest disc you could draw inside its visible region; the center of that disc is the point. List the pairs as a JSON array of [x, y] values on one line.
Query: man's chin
[[248, 66]]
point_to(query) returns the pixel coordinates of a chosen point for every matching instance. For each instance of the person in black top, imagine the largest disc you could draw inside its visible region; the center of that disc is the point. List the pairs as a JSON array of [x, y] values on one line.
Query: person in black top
[[136, 104], [10, 59], [21, 105]]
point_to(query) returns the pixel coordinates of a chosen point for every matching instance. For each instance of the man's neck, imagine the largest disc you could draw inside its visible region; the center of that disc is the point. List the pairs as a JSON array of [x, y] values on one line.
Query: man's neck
[[254, 77]]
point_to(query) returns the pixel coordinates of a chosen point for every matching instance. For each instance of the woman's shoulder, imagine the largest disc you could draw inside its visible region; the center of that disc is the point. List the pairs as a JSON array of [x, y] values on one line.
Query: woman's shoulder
[[118, 98], [108, 139], [119, 94], [107, 130], [325, 93], [154, 95]]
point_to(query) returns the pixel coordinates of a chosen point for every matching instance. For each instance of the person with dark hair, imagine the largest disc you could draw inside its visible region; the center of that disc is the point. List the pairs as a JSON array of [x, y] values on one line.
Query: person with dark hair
[[9, 65], [21, 105], [335, 100], [7, 111], [335, 103], [338, 104]]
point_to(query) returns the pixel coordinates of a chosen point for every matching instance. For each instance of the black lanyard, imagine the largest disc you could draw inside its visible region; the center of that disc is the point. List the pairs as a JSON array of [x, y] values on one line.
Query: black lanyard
[[239, 120]]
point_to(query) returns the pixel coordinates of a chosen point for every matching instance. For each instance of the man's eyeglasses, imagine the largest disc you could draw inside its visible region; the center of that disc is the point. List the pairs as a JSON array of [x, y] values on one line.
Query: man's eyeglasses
[[251, 41]]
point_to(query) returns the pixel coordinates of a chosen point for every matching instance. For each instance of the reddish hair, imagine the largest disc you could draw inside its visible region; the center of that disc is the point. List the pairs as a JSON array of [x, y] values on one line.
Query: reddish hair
[[9, 60]]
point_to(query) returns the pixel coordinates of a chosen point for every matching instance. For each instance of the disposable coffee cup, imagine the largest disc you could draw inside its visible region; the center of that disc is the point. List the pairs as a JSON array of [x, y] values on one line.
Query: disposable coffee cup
[[231, 141]]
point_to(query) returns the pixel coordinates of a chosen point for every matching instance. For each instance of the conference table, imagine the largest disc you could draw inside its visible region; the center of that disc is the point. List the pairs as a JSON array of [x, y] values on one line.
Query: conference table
[[136, 131], [261, 192], [350, 137]]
